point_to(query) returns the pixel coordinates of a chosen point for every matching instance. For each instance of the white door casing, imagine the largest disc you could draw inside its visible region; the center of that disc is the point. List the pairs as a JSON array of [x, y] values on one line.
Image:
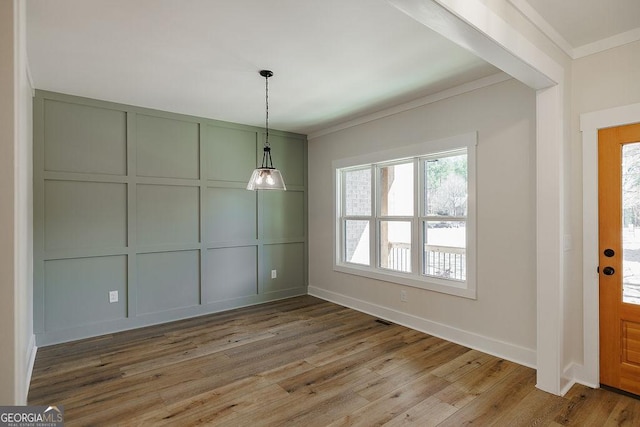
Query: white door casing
[[589, 372]]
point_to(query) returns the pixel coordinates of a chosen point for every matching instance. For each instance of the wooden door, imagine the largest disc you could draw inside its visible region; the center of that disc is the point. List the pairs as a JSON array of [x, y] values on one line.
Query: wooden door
[[619, 251]]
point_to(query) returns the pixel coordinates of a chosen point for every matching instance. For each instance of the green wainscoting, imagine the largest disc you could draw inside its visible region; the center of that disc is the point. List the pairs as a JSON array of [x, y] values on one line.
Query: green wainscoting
[[152, 204]]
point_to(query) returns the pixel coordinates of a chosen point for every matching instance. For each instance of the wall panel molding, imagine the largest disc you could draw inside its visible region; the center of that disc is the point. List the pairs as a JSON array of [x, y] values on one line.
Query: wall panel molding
[[153, 205]]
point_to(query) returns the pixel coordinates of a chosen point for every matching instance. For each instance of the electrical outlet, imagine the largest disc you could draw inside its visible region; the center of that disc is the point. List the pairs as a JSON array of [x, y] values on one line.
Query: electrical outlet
[[403, 296], [274, 274], [113, 296]]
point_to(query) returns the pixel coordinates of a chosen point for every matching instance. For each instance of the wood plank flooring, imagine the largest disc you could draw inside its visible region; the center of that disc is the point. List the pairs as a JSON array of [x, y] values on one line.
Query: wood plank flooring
[[301, 362]]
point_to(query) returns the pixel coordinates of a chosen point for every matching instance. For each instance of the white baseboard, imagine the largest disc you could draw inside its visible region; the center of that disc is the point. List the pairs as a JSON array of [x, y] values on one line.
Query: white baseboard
[[33, 349], [581, 375], [568, 379], [521, 355]]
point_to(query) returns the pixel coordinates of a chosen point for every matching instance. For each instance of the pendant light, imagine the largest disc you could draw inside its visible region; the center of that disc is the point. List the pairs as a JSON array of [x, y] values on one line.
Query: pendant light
[[266, 177]]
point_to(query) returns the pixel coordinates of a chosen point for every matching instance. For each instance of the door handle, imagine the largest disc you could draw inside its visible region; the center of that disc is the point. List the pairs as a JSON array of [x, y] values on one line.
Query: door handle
[[608, 271]]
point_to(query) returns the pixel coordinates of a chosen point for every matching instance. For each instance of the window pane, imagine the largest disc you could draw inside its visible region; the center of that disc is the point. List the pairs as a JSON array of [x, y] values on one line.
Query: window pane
[[357, 192], [357, 242], [631, 222], [395, 245], [396, 190], [446, 186], [444, 252]]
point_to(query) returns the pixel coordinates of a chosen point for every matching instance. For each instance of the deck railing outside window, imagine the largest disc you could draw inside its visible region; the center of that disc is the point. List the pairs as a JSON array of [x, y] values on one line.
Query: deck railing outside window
[[399, 257], [440, 261], [445, 261]]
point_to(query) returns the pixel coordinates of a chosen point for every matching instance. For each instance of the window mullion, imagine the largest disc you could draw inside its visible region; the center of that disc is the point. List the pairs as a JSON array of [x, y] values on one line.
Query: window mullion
[[377, 215], [373, 227], [445, 218], [416, 244], [343, 214], [340, 233]]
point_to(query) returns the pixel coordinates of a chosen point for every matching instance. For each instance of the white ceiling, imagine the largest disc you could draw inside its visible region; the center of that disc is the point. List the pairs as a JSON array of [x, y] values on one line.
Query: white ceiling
[[334, 60], [585, 26]]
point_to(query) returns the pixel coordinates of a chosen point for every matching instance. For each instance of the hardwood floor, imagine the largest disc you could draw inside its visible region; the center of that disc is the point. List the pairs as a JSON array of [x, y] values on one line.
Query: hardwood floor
[[301, 362]]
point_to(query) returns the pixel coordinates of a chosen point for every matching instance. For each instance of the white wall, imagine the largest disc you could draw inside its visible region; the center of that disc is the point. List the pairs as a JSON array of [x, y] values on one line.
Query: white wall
[[7, 126], [503, 318], [604, 80], [25, 340], [15, 208], [600, 81]]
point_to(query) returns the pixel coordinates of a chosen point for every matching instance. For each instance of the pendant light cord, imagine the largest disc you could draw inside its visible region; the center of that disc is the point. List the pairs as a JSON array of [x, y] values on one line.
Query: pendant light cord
[[266, 102], [266, 156], [267, 146]]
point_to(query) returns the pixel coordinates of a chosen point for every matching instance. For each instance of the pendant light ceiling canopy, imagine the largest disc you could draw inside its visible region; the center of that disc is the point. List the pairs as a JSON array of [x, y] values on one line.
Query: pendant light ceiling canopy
[[266, 177]]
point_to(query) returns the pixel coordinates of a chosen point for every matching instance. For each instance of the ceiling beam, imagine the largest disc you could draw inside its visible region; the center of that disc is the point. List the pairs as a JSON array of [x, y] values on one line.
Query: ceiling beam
[[496, 42]]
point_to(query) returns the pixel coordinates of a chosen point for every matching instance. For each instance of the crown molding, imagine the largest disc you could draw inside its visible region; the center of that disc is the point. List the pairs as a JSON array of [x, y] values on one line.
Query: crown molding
[[429, 99], [543, 25], [608, 43], [548, 30]]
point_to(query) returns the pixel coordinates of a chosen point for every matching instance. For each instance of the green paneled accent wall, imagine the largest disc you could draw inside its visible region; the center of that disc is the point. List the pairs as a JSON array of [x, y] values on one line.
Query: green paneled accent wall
[[167, 148], [75, 290], [152, 205], [229, 153], [230, 214], [84, 215], [230, 277], [81, 138], [167, 214], [288, 259], [293, 172], [167, 281], [284, 214]]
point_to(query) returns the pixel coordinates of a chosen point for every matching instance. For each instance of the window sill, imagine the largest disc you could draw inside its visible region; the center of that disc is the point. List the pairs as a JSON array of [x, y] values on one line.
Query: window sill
[[450, 287]]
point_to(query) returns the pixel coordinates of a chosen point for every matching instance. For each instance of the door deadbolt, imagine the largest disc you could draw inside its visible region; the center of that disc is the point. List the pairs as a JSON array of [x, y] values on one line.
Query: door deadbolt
[[609, 253]]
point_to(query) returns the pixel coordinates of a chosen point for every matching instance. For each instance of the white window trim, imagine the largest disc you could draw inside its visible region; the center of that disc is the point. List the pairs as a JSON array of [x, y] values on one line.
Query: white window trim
[[465, 289]]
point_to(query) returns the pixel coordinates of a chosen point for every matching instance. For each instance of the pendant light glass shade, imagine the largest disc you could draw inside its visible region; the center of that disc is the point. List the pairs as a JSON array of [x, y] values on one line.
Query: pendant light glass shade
[[266, 177]]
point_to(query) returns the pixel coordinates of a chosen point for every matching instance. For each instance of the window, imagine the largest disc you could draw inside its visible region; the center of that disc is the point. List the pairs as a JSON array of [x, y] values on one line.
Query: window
[[395, 215], [444, 223], [357, 214], [408, 215]]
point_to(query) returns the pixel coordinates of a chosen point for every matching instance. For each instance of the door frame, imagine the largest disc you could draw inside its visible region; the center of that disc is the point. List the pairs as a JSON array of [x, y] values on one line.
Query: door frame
[[589, 373]]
